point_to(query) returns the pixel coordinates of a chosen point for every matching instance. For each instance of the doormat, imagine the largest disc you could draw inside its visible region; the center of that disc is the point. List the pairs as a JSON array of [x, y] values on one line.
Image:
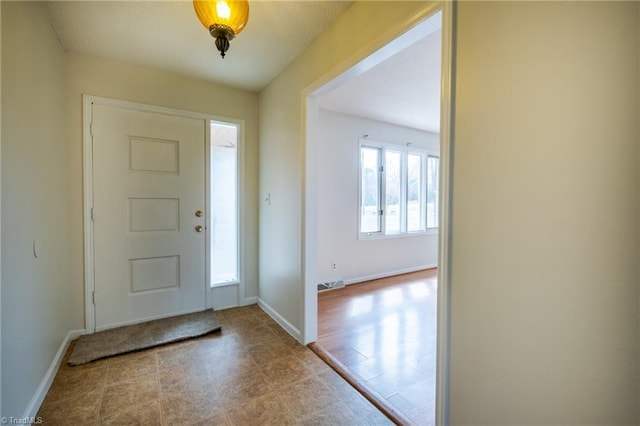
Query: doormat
[[116, 341]]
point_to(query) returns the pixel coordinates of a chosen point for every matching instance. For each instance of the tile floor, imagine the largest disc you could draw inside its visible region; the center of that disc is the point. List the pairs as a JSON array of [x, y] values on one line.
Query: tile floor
[[251, 373], [384, 332]]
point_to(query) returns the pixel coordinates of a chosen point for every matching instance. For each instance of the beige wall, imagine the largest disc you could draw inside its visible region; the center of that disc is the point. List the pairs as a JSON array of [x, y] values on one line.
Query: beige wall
[[545, 214], [0, 211], [101, 77], [42, 175], [36, 305]]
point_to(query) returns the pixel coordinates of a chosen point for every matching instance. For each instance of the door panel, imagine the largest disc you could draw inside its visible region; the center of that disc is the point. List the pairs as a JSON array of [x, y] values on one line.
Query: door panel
[[149, 180]]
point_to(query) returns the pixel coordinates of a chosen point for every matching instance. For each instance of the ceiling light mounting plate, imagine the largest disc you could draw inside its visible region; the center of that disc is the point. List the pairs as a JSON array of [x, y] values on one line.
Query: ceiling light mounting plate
[[223, 35]]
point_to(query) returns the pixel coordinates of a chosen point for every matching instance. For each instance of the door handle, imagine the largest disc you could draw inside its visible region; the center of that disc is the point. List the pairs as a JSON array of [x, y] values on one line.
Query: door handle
[[199, 213], [199, 228]]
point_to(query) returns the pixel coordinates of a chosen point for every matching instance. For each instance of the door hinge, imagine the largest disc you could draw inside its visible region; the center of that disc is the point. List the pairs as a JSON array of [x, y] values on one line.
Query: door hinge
[[381, 212], [92, 214], [93, 297], [91, 128], [381, 169]]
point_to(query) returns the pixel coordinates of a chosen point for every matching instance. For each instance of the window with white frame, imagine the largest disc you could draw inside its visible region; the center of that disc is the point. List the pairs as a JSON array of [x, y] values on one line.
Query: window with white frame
[[224, 196], [398, 190]]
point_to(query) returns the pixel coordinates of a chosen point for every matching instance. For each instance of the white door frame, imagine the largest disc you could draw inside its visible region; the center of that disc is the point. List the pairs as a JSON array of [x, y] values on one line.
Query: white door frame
[[87, 142], [355, 65]]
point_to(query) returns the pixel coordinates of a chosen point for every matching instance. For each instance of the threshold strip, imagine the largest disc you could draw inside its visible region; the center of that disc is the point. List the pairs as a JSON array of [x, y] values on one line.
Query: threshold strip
[[372, 396]]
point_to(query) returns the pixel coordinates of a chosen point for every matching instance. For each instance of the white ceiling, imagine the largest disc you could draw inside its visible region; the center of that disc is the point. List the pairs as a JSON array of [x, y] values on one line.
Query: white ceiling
[[403, 89], [167, 35]]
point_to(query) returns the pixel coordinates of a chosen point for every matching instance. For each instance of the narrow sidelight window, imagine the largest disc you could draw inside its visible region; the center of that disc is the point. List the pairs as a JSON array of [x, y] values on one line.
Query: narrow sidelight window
[[224, 203]]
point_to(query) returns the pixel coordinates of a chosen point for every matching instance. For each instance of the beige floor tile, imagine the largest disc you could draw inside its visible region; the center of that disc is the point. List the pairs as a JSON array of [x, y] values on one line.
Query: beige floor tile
[[186, 407], [124, 396], [220, 343], [230, 364], [251, 373], [268, 351], [188, 379], [335, 414], [124, 368], [265, 410], [80, 409], [255, 335], [307, 397], [139, 414], [236, 389], [177, 355], [281, 372], [75, 381]]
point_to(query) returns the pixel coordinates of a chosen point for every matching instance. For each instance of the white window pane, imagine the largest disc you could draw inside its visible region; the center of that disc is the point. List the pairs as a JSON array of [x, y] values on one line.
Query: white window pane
[[415, 198], [393, 191], [224, 203], [433, 164], [370, 189]]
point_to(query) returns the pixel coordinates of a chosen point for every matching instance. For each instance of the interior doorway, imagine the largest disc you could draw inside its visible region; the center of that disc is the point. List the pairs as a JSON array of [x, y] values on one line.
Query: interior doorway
[[436, 17]]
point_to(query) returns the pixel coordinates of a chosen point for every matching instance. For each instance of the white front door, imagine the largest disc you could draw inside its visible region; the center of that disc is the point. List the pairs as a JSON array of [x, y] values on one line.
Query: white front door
[[148, 195]]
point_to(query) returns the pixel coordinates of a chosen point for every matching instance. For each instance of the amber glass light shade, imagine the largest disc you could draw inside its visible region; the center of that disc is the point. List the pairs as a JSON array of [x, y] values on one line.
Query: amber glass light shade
[[224, 19]]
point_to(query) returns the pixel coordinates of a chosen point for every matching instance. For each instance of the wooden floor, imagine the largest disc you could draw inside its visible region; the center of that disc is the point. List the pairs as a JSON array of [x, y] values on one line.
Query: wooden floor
[[384, 332]]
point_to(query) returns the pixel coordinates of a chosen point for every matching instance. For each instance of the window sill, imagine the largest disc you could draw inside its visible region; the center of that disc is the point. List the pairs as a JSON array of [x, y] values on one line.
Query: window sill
[[225, 284], [377, 236]]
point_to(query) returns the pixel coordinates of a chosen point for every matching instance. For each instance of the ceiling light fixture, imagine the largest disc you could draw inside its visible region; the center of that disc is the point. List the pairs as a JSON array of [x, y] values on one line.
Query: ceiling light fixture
[[223, 18]]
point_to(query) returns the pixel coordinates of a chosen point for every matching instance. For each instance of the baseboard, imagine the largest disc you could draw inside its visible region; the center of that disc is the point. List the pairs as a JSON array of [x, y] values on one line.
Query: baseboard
[[388, 274], [47, 380], [289, 328], [225, 296], [250, 301]]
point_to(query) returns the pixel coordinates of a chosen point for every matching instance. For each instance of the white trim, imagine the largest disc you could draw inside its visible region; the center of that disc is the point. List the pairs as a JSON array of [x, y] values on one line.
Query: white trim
[[87, 180], [405, 151], [250, 301], [228, 296], [309, 296], [447, 105], [1, 223], [146, 319], [207, 215], [374, 236], [47, 380], [365, 278], [240, 192], [226, 284], [289, 328], [88, 101], [136, 106]]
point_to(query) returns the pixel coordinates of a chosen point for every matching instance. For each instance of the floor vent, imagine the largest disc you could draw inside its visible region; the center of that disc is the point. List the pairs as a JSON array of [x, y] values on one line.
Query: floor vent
[[330, 285]]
